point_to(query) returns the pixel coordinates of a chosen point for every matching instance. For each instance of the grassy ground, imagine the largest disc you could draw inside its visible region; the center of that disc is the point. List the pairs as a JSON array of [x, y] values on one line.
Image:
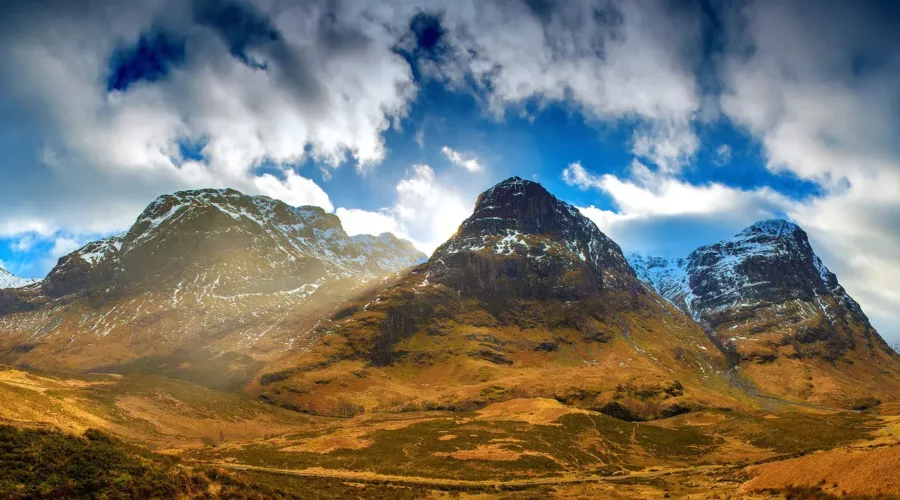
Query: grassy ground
[[552, 446]]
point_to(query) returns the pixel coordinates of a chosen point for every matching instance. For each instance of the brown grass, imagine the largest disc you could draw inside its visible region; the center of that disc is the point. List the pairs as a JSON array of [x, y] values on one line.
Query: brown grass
[[845, 471]]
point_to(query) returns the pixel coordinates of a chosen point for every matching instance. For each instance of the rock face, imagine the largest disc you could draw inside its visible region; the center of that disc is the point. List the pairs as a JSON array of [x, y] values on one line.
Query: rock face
[[767, 296], [528, 299], [208, 267], [10, 280], [523, 241]]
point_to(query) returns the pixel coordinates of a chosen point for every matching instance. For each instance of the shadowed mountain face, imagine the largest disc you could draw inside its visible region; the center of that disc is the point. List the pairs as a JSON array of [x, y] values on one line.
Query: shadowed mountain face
[[527, 299], [523, 241], [769, 298], [207, 268]]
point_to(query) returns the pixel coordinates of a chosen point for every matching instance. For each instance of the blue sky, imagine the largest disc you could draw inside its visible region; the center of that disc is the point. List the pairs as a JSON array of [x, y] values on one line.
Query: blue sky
[[670, 124]]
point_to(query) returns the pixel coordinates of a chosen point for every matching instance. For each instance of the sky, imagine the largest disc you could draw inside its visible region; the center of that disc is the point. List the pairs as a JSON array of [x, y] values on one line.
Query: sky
[[671, 124]]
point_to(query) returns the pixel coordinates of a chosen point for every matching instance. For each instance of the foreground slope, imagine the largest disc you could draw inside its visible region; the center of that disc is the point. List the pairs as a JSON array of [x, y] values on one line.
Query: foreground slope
[[213, 270], [527, 299], [782, 315]]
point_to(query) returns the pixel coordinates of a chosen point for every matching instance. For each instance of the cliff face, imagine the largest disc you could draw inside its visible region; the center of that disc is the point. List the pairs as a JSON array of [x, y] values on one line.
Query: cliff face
[[523, 241]]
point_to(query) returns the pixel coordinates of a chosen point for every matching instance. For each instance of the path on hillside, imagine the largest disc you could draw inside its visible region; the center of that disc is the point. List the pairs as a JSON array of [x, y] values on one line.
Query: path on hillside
[[461, 484], [890, 428], [769, 402]]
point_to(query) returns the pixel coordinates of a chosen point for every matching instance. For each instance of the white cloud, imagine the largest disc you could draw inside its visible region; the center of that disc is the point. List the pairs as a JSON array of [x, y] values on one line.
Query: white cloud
[[465, 161], [656, 213], [723, 155], [329, 91], [357, 221], [24, 243], [427, 211], [613, 60], [294, 190], [63, 246], [650, 194]]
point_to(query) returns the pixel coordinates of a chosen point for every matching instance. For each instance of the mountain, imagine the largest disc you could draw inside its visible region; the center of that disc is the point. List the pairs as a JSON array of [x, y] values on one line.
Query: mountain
[[771, 303], [528, 299], [10, 280], [211, 269]]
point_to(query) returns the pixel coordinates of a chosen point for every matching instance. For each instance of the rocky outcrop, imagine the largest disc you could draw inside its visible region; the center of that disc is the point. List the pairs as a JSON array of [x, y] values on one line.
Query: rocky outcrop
[[765, 278]]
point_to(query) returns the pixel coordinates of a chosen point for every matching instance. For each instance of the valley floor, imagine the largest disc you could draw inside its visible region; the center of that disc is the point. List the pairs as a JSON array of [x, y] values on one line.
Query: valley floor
[[522, 448]]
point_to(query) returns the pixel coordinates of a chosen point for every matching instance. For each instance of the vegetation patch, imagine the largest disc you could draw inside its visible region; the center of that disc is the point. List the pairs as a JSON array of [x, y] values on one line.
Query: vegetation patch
[[40, 463]]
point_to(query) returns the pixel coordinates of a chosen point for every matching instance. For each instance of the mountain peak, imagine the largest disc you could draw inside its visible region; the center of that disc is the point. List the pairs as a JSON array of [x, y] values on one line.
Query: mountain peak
[[522, 206], [10, 280], [520, 232], [777, 228]]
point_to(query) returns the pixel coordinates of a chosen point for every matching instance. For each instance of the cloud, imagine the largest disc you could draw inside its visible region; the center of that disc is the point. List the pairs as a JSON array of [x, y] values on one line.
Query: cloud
[[357, 221], [656, 213], [427, 211], [723, 155], [165, 95], [584, 54], [294, 190], [465, 161], [24, 243]]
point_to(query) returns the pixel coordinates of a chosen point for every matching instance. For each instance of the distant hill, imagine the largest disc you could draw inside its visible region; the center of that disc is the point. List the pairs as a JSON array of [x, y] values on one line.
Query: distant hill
[[200, 273]]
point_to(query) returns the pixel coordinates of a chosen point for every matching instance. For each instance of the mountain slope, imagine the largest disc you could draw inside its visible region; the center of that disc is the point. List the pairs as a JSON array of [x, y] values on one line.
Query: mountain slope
[[771, 301], [211, 269], [527, 299], [9, 280]]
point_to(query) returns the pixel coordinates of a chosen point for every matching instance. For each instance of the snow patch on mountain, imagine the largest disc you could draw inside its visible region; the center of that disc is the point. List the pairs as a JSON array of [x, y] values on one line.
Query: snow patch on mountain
[[668, 276], [10, 280], [517, 218], [740, 272]]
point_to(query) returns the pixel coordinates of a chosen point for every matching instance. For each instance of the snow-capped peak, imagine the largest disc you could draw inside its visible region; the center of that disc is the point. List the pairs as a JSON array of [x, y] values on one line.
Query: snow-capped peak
[[770, 261], [10, 280], [771, 227]]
